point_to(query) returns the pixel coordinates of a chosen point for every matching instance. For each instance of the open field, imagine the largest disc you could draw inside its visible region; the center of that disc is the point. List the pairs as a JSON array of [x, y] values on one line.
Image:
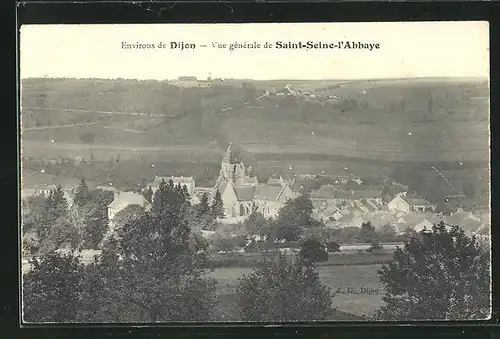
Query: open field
[[349, 256], [351, 282]]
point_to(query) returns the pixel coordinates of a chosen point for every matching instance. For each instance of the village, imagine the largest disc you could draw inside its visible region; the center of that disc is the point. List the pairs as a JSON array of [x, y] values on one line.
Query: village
[[346, 202]]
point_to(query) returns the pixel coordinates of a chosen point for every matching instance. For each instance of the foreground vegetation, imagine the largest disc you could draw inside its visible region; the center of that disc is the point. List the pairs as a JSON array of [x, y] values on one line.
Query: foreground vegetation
[[156, 269]]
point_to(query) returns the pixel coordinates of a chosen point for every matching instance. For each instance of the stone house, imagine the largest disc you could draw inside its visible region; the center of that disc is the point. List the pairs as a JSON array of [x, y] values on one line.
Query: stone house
[[406, 204], [125, 199]]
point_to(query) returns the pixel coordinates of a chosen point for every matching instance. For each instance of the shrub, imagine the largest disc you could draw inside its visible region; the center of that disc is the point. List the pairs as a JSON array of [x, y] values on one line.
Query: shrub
[[333, 246], [313, 250], [375, 248]]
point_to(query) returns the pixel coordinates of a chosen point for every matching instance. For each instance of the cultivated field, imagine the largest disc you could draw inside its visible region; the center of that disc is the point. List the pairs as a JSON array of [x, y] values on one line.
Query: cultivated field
[[359, 289], [407, 123]]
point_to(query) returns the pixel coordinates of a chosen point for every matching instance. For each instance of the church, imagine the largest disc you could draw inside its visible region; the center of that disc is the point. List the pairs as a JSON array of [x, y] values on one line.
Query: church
[[242, 193]]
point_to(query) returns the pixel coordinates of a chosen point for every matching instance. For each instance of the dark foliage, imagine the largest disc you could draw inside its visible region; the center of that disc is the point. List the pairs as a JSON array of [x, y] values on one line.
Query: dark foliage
[[375, 248], [218, 206], [82, 194], [367, 234], [333, 246], [51, 289], [203, 208], [153, 272], [439, 275], [294, 217], [280, 290], [313, 250]]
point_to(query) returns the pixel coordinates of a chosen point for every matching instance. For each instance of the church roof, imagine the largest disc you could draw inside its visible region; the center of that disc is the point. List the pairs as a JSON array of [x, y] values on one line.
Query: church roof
[[221, 184], [244, 193], [266, 192]]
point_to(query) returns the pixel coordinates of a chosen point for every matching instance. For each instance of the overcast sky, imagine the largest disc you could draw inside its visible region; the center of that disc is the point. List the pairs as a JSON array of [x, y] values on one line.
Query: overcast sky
[[430, 49]]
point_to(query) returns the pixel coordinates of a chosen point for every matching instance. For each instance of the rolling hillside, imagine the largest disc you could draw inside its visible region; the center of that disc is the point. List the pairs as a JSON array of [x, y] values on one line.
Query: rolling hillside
[[370, 126]]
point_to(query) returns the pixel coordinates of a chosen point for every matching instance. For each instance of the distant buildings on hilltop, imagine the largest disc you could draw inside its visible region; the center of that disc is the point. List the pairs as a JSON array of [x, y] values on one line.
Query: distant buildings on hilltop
[[194, 82]]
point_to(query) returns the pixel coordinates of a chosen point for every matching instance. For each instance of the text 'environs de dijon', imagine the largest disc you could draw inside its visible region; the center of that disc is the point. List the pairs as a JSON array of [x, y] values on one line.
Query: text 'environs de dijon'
[[301, 45]]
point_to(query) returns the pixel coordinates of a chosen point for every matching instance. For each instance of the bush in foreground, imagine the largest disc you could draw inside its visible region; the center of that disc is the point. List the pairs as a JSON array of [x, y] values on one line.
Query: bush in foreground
[[313, 250], [282, 290], [439, 275]]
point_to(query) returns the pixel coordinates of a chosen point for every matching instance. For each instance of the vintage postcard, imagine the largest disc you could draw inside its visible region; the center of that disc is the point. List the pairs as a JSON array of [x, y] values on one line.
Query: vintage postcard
[[255, 172]]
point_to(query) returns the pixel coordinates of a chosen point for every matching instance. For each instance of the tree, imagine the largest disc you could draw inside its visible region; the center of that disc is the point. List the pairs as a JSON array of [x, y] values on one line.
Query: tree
[[82, 193], [218, 206], [388, 233], [153, 270], [333, 246], [256, 223], [101, 197], [313, 250], [56, 204], [53, 228], [33, 211], [439, 275], [282, 290], [203, 208], [294, 217], [51, 289], [128, 214], [95, 225], [409, 233], [375, 248], [322, 234], [347, 235], [367, 233], [59, 234]]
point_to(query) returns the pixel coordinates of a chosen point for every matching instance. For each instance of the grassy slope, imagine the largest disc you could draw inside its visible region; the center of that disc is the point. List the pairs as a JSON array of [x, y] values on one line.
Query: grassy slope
[[455, 129], [274, 133]]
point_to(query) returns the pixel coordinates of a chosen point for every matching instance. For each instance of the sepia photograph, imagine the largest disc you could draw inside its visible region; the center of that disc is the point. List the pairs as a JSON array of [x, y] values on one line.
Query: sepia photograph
[[254, 173]]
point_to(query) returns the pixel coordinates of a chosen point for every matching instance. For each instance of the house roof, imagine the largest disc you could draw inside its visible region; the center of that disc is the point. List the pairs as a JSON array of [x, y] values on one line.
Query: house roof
[[324, 192], [125, 199], [274, 182], [416, 201], [423, 224], [353, 220], [464, 220], [250, 180], [358, 194], [107, 188]]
